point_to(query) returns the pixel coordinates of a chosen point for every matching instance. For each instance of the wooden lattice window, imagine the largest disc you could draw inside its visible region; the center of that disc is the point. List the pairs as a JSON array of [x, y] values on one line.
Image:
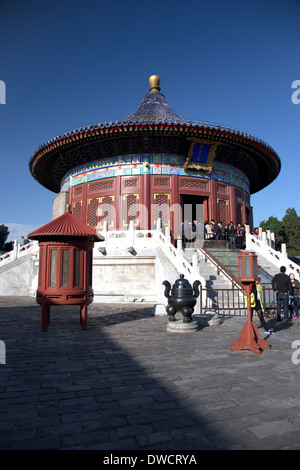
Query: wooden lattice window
[[239, 193], [193, 183], [106, 211], [77, 191], [76, 209], [162, 208], [131, 183], [92, 212], [239, 209], [131, 209], [221, 188], [101, 185], [161, 182], [222, 211]]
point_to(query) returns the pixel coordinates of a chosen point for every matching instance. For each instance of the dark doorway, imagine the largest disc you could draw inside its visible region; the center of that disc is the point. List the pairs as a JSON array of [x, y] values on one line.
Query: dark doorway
[[193, 207]]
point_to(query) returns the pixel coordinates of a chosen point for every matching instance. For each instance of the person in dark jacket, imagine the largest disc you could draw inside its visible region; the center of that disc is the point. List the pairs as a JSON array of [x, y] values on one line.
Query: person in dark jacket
[[294, 297], [232, 233], [281, 284]]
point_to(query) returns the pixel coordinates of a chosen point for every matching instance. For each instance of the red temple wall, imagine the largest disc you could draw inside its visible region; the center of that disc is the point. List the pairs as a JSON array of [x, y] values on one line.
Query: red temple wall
[[120, 199]]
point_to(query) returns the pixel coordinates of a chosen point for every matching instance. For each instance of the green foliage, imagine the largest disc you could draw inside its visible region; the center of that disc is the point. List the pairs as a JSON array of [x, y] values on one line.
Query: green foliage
[[286, 231], [3, 236]]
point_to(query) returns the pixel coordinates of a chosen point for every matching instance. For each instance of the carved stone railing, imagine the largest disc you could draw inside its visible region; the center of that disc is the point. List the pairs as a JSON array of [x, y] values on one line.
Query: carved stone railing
[[18, 252], [264, 245], [125, 239]]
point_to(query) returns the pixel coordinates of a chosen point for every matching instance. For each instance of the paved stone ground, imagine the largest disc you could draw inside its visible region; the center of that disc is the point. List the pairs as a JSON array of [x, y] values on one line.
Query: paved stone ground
[[126, 383]]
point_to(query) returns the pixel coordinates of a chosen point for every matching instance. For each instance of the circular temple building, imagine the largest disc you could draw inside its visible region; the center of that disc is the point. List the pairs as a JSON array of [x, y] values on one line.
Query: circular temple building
[[155, 164]]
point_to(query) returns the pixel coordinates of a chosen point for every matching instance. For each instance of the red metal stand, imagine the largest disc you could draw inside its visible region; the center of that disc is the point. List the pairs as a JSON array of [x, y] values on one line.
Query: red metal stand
[[249, 335]]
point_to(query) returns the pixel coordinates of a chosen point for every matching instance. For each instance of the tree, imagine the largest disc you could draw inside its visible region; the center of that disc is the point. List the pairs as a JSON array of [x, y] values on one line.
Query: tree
[[3, 235], [291, 222], [286, 231], [277, 227]]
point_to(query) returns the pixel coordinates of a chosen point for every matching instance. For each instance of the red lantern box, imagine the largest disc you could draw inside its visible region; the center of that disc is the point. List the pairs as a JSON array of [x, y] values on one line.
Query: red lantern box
[[248, 275], [248, 268], [65, 265]]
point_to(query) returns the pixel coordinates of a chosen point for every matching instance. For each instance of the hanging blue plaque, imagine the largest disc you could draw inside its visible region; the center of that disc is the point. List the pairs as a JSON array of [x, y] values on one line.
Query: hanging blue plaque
[[201, 155]]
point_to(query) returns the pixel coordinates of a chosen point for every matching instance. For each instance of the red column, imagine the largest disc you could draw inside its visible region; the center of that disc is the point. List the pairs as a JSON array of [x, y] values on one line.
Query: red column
[[118, 202], [213, 201], [206, 209], [232, 205], [84, 202], [175, 202], [145, 220]]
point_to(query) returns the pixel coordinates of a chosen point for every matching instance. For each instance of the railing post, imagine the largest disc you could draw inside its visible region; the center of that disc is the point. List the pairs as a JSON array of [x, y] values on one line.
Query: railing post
[[200, 299], [131, 233], [15, 250], [105, 230], [179, 246], [264, 297], [273, 240], [168, 234], [283, 251], [195, 262]]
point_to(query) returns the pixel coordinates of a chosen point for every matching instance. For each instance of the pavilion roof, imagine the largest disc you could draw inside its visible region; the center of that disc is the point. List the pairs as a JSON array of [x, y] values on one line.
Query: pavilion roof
[[154, 127], [66, 225]]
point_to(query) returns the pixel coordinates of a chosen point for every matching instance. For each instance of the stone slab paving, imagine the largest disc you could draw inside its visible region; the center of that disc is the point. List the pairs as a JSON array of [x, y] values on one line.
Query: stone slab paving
[[126, 383]]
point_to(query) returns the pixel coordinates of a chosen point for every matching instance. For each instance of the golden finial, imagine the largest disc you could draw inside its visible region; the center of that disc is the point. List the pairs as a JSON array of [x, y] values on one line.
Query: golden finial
[[154, 81]]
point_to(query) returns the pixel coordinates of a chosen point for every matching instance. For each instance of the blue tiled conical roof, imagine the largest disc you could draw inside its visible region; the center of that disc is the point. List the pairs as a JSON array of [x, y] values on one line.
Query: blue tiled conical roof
[[154, 108]]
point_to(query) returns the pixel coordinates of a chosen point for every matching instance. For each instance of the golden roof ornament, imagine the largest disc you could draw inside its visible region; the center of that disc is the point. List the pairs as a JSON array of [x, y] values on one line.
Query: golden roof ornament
[[154, 82]]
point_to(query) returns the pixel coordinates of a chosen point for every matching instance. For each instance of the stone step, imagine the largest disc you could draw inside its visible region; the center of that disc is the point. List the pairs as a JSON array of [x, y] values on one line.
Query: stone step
[[208, 271]]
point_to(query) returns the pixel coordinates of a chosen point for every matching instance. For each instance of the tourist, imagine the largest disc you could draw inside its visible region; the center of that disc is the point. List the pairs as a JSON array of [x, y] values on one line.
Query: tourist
[[226, 237], [214, 227], [187, 229], [281, 284], [294, 297], [209, 231], [24, 241], [240, 234], [180, 229], [221, 230], [232, 233], [218, 233], [198, 229], [257, 305]]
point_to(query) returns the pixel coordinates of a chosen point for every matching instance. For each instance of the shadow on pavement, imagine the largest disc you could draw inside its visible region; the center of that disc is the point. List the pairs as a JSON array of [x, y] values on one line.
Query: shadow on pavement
[[74, 389]]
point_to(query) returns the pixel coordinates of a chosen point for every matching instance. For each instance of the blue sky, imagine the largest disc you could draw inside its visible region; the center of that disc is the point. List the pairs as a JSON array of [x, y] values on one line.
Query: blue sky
[[70, 63]]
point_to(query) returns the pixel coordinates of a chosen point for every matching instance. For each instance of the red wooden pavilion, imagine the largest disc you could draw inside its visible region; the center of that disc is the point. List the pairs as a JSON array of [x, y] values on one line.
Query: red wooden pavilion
[[65, 265]]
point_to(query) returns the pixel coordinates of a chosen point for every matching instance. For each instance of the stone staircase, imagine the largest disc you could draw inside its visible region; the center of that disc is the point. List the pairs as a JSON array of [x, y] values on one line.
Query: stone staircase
[[266, 269], [220, 295], [209, 272], [227, 255]]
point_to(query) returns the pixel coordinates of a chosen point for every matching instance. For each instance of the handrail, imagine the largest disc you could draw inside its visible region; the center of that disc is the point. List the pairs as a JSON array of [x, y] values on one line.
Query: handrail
[[18, 252], [223, 302], [219, 267]]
